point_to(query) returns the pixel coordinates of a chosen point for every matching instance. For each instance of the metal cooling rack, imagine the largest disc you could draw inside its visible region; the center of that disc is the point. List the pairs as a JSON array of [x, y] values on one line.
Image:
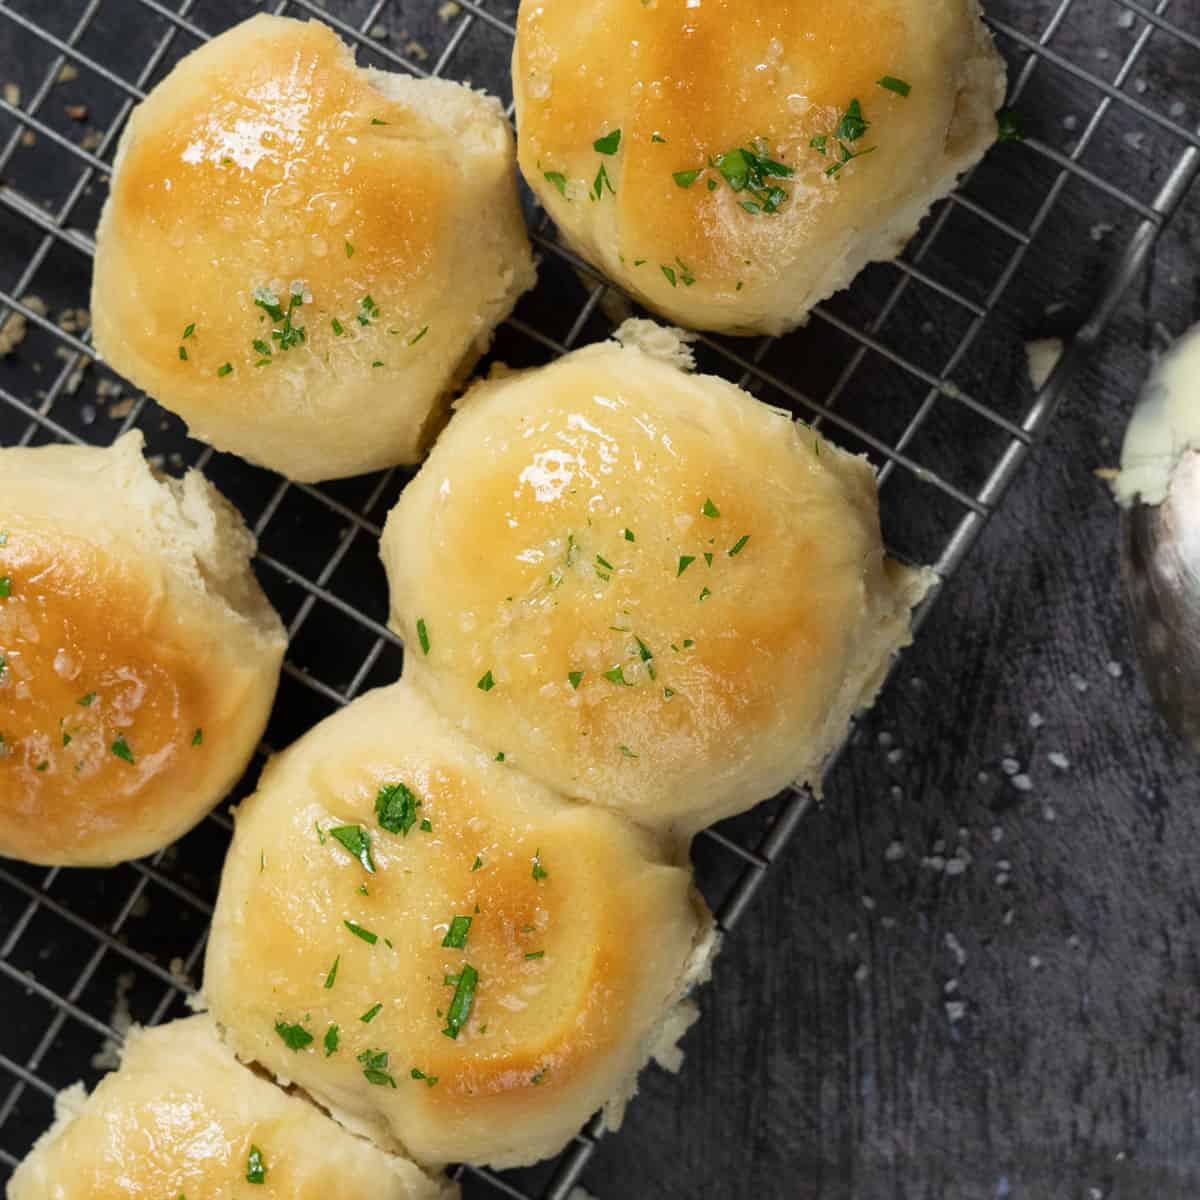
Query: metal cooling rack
[[1043, 238]]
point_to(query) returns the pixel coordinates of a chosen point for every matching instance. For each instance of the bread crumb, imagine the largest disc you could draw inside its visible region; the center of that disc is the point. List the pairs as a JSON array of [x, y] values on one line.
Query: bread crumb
[[121, 409], [77, 112], [28, 138], [67, 72], [1042, 357], [955, 1010], [108, 1057], [12, 333], [12, 93], [449, 11], [91, 139], [74, 320], [378, 32], [415, 50]]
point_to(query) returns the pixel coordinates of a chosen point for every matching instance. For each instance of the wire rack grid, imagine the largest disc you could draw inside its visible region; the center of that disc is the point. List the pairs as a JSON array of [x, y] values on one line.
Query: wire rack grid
[[920, 365]]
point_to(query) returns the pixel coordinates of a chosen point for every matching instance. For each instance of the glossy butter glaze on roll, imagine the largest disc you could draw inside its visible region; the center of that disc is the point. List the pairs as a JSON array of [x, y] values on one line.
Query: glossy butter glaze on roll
[[183, 1118], [302, 258], [439, 950], [138, 656], [733, 162], [646, 588]]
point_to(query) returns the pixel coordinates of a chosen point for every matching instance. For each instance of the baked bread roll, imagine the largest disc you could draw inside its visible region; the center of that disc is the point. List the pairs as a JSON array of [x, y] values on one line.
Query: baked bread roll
[[645, 587], [138, 656], [301, 258], [437, 949], [732, 163], [182, 1117]]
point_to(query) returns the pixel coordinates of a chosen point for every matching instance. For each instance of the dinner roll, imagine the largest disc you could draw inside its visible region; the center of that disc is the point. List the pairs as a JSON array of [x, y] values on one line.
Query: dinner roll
[[438, 949], [732, 163], [183, 1118], [138, 655], [645, 587], [301, 257]]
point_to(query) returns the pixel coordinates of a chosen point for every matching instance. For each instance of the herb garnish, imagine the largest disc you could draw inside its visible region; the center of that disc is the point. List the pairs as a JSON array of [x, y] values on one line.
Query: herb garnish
[[685, 561], [198, 737], [396, 808], [368, 310], [224, 369], [1010, 126], [256, 1167], [574, 678], [558, 179], [430, 1080], [121, 749], [477, 863], [464, 998], [294, 1037], [539, 872], [625, 750], [892, 84], [710, 509], [86, 701], [359, 932], [456, 935], [602, 182], [358, 842], [608, 144], [374, 1064], [331, 1040], [371, 1013], [331, 974], [535, 954], [486, 683], [423, 635], [5, 587], [739, 545]]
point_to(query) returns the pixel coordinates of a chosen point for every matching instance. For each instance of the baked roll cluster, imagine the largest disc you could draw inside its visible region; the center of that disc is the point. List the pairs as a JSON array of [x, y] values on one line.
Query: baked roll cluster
[[456, 917], [138, 656], [303, 258], [731, 164], [648, 589]]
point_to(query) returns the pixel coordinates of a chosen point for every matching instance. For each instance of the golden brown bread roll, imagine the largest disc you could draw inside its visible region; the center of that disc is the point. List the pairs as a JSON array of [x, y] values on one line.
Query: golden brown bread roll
[[301, 258], [734, 162], [647, 589], [183, 1118], [138, 656], [439, 950]]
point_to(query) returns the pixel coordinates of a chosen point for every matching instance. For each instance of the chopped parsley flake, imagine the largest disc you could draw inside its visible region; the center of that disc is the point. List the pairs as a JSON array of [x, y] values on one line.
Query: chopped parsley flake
[[705, 593], [121, 749], [374, 1064], [188, 330], [617, 675], [396, 808], [477, 863], [668, 693], [536, 954], [708, 558], [337, 327], [44, 765], [685, 561], [608, 144], [371, 1013], [331, 1040], [629, 535], [294, 1037], [198, 737], [657, 137], [688, 643], [456, 935], [66, 738], [1010, 126], [430, 1080], [499, 756], [256, 1166], [558, 179], [261, 346], [892, 84], [224, 369], [357, 841], [685, 179], [368, 310], [669, 272], [539, 872], [486, 683], [602, 182], [575, 678], [464, 997], [359, 932], [426, 825], [412, 341], [739, 545], [853, 124], [423, 635], [183, 357], [349, 250], [625, 750], [5, 587], [536, 1080], [331, 974], [86, 701], [377, 363], [710, 509], [377, 121]]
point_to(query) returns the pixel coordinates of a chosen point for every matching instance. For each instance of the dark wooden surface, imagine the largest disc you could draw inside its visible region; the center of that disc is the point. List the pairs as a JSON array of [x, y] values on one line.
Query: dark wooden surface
[[827, 1064]]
